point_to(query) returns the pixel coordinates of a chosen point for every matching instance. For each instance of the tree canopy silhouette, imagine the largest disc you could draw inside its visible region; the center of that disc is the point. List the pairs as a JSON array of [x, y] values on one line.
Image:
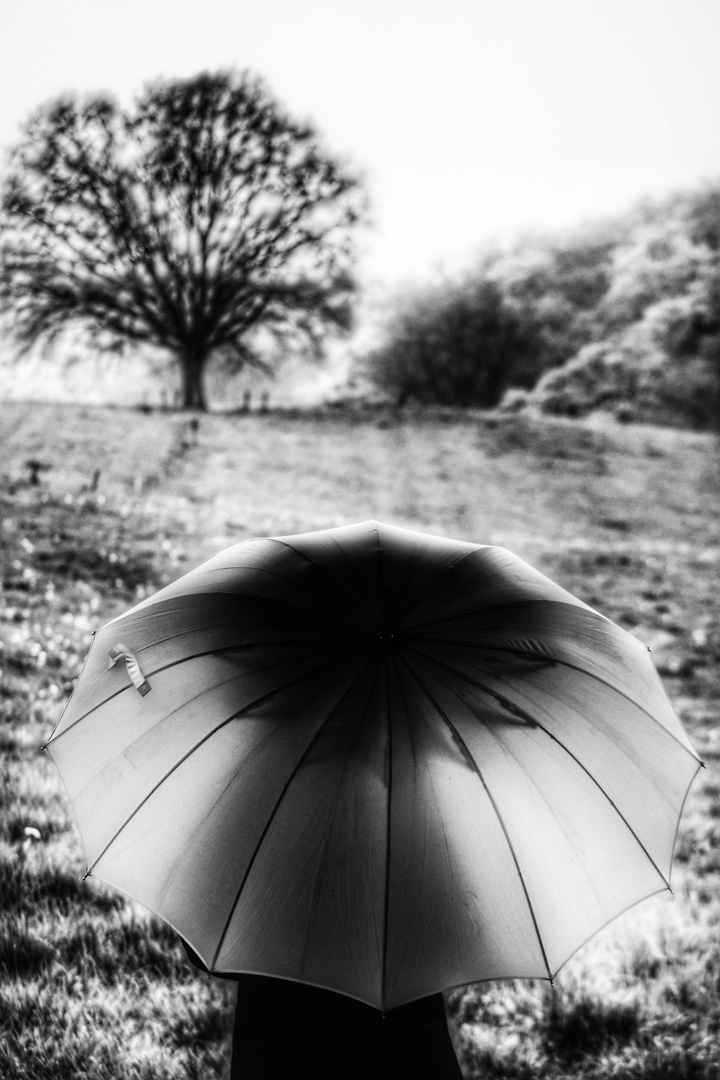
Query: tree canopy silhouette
[[457, 343], [191, 223]]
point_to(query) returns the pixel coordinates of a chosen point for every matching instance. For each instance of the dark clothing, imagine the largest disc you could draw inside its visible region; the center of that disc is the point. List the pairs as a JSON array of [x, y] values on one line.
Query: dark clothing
[[285, 1030]]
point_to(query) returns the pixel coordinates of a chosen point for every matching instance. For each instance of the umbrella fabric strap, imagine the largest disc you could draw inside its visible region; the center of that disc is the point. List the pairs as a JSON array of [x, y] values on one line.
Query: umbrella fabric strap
[[139, 681]]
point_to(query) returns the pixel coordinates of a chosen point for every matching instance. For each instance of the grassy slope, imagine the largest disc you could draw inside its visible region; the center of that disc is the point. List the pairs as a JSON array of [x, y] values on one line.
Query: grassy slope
[[626, 518]]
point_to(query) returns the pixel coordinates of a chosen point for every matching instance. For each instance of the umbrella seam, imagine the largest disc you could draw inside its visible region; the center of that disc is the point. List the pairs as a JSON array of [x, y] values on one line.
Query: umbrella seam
[[320, 569], [207, 690], [186, 755], [445, 570], [221, 626], [510, 704], [271, 817], [317, 883], [573, 667], [474, 765], [246, 595], [50, 738], [166, 667], [384, 612], [388, 834], [510, 603]]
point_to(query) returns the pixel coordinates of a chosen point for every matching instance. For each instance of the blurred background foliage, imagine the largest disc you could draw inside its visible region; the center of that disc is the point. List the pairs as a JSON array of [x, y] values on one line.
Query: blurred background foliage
[[621, 315]]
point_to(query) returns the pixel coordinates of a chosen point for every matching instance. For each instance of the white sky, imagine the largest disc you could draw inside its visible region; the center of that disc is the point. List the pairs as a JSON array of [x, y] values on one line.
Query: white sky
[[467, 118]]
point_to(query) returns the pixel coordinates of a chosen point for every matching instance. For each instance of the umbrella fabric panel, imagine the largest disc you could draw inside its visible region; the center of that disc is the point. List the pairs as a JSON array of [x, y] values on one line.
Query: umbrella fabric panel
[[250, 632], [580, 863], [486, 577], [548, 632], [644, 770], [186, 851], [116, 757], [378, 559], [343, 567], [456, 901], [312, 907], [272, 569]]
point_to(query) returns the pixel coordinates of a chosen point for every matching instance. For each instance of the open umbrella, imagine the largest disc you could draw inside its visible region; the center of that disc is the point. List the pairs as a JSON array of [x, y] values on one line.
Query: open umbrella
[[376, 761]]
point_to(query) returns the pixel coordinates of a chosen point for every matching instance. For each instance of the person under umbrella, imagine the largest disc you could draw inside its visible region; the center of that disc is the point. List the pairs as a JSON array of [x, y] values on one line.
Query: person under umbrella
[[284, 1028]]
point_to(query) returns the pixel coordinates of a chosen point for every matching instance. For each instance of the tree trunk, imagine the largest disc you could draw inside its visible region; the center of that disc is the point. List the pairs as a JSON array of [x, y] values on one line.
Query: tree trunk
[[192, 367]]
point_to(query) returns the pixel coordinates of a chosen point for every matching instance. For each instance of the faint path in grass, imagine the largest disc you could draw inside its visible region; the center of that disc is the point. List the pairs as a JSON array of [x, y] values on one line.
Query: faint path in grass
[[535, 489], [533, 485]]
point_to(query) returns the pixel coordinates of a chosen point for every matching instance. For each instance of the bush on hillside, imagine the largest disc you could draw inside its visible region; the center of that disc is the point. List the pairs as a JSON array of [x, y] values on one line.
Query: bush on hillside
[[454, 344], [631, 377]]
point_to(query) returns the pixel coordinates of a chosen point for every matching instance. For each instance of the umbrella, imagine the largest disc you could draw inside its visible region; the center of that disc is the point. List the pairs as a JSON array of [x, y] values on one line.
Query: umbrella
[[376, 761]]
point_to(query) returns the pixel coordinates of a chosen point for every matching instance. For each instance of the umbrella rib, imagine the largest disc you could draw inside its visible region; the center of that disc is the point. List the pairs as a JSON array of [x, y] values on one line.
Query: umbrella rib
[[505, 604], [509, 704], [386, 602], [174, 663], [186, 755], [564, 663], [320, 568], [282, 601], [236, 623], [474, 765], [67, 703], [273, 813], [433, 581], [388, 835]]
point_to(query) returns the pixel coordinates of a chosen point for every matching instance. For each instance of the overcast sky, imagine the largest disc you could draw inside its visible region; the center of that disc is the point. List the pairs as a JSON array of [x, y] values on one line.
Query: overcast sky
[[467, 118]]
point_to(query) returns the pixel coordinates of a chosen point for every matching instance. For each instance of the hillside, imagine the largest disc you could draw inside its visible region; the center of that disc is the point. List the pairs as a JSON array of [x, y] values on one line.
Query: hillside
[[626, 517]]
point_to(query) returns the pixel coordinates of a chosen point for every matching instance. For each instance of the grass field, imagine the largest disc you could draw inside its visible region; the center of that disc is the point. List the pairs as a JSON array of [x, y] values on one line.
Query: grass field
[[625, 517]]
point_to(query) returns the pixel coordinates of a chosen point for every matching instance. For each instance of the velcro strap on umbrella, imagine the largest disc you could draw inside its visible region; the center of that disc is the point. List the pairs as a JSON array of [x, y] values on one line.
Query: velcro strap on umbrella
[[133, 668]]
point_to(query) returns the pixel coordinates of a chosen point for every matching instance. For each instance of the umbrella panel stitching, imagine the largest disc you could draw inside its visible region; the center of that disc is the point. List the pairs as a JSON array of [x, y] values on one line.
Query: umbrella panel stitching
[[274, 600], [536, 723], [564, 663], [317, 566], [388, 828], [532, 722], [275, 809], [476, 769], [431, 584], [317, 887], [505, 604], [201, 742], [176, 663], [210, 626]]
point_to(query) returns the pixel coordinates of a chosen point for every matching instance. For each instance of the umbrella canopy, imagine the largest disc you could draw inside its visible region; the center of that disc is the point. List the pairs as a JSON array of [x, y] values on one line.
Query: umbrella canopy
[[376, 761]]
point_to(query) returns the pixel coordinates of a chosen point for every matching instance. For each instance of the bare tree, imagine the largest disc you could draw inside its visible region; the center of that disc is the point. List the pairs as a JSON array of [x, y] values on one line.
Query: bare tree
[[190, 223]]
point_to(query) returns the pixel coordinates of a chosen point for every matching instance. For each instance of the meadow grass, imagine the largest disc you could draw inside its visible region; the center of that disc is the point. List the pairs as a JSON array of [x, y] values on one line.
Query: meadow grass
[[90, 984]]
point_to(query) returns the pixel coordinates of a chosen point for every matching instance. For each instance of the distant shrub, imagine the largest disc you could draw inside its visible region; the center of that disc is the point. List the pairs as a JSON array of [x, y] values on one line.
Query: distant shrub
[[459, 343], [631, 377], [599, 377]]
